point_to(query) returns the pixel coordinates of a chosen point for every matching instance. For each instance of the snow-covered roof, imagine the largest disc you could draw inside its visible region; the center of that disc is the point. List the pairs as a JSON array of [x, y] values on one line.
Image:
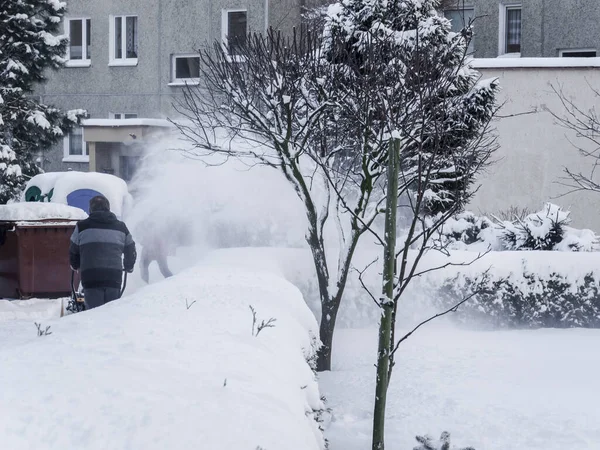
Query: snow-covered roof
[[140, 122], [505, 63]]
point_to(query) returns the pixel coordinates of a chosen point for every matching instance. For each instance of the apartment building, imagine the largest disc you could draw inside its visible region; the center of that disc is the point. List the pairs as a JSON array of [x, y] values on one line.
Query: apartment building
[[127, 63], [529, 28]]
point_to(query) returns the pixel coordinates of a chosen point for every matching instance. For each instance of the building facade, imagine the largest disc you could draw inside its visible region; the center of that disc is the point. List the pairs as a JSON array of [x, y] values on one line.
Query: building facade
[[529, 28], [127, 63]]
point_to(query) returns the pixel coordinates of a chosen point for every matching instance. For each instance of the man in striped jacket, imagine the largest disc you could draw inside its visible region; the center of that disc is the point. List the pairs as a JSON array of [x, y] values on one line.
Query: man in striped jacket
[[101, 247]]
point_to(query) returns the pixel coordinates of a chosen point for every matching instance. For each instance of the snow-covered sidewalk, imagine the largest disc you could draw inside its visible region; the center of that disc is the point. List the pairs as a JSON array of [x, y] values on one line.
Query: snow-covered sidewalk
[[510, 390], [175, 365]]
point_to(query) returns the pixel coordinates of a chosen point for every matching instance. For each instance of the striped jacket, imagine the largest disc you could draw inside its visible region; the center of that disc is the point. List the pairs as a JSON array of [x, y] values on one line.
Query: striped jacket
[[101, 246]]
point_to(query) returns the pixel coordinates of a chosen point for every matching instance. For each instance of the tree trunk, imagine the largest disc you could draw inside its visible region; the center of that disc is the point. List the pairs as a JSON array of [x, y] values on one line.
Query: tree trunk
[[328, 309], [326, 334], [387, 302]]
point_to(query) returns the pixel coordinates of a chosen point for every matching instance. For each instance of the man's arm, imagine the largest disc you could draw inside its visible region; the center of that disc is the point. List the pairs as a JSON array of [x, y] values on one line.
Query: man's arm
[[129, 252], [74, 256]]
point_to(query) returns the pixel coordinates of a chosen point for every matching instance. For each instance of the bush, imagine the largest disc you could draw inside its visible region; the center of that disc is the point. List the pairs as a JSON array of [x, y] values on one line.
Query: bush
[[539, 301], [547, 229]]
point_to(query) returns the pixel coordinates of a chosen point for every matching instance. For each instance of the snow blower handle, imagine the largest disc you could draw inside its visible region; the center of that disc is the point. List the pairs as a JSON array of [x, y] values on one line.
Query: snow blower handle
[[124, 284]]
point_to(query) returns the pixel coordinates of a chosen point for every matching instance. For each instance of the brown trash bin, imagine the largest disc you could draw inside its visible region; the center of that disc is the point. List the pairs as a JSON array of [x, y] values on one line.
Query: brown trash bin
[[34, 259]]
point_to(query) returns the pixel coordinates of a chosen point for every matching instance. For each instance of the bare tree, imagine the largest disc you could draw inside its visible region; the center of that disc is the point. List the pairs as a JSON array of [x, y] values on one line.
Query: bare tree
[[585, 125], [272, 101]]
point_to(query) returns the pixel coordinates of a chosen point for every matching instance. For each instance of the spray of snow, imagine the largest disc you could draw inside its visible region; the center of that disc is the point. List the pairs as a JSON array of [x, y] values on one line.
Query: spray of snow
[[212, 206]]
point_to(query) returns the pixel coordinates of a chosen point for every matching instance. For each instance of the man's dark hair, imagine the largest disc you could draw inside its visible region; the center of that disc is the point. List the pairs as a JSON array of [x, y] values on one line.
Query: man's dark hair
[[99, 203]]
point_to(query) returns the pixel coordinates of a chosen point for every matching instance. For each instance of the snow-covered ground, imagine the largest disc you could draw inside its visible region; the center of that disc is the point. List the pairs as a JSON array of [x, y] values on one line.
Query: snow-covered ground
[[147, 372], [509, 390]]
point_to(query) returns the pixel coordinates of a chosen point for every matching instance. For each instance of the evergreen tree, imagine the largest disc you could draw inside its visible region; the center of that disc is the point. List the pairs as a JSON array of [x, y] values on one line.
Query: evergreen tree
[[415, 62], [29, 44]]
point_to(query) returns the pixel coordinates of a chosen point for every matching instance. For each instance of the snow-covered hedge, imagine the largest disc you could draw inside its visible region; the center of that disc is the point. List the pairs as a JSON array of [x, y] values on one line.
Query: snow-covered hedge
[[547, 229], [522, 290], [176, 365]]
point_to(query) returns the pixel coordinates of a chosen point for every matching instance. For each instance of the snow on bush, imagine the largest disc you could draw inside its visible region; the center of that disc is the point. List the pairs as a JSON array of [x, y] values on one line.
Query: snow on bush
[[517, 289], [175, 365], [39, 211], [544, 230]]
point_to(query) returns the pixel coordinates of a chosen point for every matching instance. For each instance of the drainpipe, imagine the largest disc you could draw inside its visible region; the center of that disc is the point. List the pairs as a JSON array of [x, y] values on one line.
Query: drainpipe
[[266, 16], [159, 57]]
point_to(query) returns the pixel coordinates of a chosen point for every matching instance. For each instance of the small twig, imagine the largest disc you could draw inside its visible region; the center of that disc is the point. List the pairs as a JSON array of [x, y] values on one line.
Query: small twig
[[524, 113], [256, 329], [189, 305], [364, 286], [41, 332]]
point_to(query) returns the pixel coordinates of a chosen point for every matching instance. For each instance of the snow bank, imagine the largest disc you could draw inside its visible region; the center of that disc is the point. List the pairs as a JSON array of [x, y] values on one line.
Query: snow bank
[[149, 372], [529, 272], [32, 309], [39, 211], [509, 390]]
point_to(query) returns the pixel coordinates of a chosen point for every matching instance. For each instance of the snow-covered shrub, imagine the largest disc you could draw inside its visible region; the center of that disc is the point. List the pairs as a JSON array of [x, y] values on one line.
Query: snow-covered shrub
[[524, 295], [543, 230], [547, 229], [466, 229], [427, 443]]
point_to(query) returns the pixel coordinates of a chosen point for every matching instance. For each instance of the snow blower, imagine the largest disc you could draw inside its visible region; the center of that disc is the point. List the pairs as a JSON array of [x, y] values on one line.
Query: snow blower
[[77, 302]]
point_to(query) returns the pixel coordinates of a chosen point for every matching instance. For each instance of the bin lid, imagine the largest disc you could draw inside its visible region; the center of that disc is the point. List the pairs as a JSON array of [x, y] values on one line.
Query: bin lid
[[81, 198]]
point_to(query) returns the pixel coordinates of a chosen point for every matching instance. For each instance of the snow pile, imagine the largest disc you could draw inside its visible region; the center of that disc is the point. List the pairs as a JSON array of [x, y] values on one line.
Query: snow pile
[[175, 365], [14, 212], [110, 186], [32, 309], [61, 184], [44, 182]]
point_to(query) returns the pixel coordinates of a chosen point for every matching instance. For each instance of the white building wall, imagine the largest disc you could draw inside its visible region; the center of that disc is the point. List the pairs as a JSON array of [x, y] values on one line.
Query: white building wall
[[534, 149]]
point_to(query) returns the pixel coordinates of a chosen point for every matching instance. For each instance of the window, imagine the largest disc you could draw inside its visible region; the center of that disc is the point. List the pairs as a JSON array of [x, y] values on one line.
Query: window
[[577, 53], [185, 69], [123, 40], [510, 29], [75, 149], [123, 115], [234, 30], [80, 38], [461, 18]]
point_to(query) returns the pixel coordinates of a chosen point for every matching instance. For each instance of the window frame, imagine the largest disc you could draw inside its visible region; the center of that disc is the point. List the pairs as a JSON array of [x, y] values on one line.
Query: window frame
[[67, 157], [122, 115], [563, 51], [83, 62], [113, 61], [183, 81], [225, 31], [502, 31]]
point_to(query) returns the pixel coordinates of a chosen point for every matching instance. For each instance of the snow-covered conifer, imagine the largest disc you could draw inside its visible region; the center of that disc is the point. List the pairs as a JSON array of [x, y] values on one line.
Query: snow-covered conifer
[[29, 45]]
